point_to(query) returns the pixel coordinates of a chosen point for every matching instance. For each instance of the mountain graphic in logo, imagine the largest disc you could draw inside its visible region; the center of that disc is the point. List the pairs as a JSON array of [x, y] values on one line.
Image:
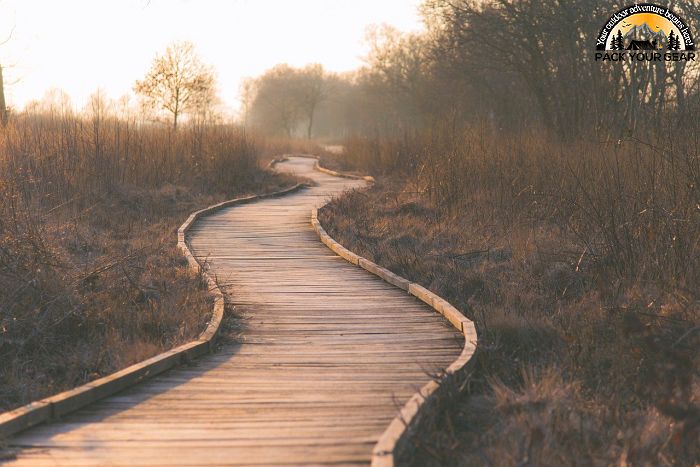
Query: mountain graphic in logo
[[643, 34], [642, 37]]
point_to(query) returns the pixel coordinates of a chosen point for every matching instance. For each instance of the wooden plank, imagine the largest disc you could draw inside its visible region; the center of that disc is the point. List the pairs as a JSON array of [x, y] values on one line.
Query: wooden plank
[[328, 354], [24, 417], [60, 404], [383, 452], [385, 274]]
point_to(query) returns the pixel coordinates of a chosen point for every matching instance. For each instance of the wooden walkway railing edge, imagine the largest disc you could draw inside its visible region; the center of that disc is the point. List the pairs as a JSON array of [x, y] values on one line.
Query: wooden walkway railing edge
[[317, 166], [383, 452], [385, 449], [56, 406]]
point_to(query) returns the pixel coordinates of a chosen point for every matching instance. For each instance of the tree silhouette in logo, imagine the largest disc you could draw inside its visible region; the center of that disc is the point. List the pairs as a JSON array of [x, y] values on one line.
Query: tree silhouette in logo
[[617, 42], [674, 42]]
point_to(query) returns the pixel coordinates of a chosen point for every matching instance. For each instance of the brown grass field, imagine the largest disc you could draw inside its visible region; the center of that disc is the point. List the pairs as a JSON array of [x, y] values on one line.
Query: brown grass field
[[90, 277], [578, 263]]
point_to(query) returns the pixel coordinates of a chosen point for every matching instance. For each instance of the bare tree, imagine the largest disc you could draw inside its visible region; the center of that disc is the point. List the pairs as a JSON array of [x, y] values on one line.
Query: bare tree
[[311, 90], [247, 95], [275, 107], [396, 78], [285, 98], [3, 105], [178, 82]]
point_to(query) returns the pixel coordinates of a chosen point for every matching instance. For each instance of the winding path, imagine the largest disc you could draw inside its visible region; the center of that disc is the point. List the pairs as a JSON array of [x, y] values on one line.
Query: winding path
[[329, 352]]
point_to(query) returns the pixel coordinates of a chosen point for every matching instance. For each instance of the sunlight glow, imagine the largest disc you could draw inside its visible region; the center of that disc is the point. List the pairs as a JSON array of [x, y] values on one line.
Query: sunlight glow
[[81, 45]]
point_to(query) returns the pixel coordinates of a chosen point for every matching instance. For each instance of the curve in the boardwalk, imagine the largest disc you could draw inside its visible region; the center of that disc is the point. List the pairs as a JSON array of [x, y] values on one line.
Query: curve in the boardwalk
[[328, 354]]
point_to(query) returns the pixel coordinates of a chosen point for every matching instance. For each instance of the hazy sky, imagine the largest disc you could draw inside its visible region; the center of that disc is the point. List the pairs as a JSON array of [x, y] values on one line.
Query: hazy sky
[[82, 45]]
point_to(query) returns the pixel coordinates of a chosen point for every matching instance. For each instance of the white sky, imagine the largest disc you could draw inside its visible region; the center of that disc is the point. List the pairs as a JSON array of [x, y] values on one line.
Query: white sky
[[81, 45]]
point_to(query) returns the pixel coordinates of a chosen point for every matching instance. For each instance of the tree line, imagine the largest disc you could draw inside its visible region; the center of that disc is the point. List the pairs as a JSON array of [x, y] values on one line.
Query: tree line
[[285, 99], [507, 63], [178, 85]]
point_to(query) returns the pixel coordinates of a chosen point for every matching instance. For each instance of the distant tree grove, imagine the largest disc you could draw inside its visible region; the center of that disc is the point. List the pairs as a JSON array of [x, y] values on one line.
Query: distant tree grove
[[285, 99], [506, 62]]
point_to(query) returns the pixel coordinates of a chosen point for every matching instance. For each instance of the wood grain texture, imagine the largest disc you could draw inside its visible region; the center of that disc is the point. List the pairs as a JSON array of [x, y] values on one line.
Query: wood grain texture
[[387, 446], [58, 405], [329, 355]]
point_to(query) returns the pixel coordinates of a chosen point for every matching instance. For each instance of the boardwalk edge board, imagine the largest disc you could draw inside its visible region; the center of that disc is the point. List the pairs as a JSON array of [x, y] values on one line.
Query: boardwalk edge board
[[385, 449], [320, 168], [56, 406]]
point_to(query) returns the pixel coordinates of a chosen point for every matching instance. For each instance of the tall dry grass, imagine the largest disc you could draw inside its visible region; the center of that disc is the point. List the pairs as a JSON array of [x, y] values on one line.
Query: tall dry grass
[[579, 262], [90, 279], [629, 206], [57, 156]]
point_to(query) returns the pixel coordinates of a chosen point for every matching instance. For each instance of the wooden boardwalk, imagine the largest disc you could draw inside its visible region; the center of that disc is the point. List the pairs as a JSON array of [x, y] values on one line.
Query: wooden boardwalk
[[329, 353]]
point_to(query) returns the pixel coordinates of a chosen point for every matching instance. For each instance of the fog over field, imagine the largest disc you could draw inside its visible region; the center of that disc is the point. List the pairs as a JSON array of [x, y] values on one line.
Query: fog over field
[[79, 46]]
